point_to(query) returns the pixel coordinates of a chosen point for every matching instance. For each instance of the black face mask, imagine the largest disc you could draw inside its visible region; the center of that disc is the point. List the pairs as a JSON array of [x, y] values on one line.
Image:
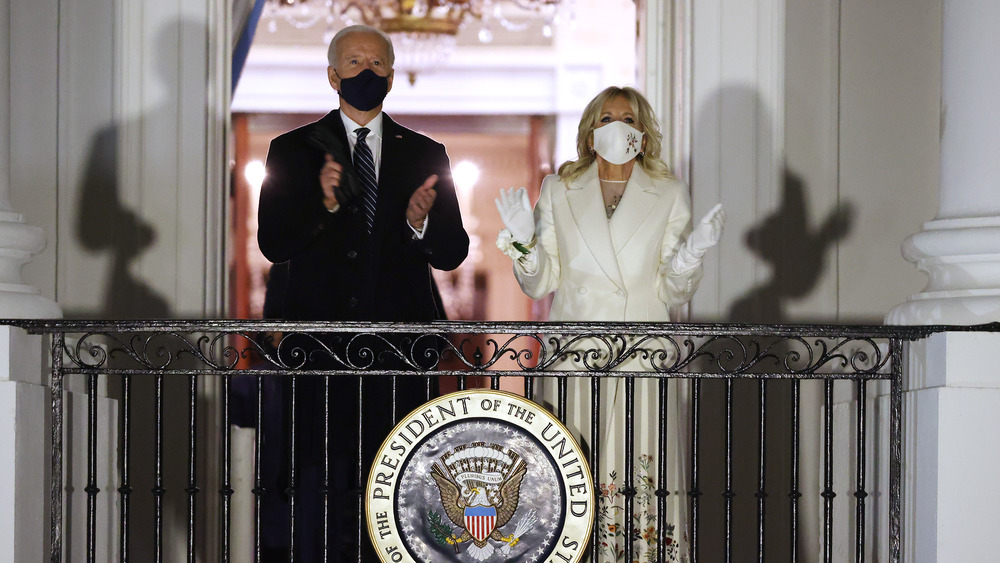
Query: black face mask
[[364, 91]]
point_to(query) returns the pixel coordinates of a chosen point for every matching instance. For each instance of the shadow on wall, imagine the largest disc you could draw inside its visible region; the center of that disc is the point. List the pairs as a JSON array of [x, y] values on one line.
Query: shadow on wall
[[107, 226], [796, 251]]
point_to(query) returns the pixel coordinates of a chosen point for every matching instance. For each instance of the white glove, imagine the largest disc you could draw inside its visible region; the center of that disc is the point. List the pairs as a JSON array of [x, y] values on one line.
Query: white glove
[[708, 231], [515, 211], [705, 235]]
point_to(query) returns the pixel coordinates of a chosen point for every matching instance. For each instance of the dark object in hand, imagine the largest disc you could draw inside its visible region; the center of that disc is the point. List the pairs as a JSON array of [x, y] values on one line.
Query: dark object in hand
[[325, 139]]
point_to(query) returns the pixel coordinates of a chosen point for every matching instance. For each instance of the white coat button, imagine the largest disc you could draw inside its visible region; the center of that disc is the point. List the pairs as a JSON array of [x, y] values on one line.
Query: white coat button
[[620, 293], [582, 290]]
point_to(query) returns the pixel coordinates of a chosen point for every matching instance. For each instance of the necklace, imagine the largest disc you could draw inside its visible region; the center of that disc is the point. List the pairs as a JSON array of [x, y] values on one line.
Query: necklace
[[612, 190], [610, 208]]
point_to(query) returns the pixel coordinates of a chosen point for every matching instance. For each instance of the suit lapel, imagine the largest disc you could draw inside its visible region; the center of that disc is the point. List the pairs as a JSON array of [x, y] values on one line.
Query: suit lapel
[[587, 206], [333, 121], [639, 199], [390, 176], [392, 138]]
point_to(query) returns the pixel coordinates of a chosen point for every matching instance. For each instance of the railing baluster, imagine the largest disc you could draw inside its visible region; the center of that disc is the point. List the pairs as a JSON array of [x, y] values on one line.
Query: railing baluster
[[57, 487], [293, 469], [360, 472], [828, 492], [629, 478], [432, 388], [695, 492], [125, 487], [393, 400], [761, 465], [663, 490], [158, 490], [794, 495], [325, 489], [92, 488], [561, 382], [192, 488], [226, 489], [728, 494], [595, 454], [258, 487], [861, 493], [895, 449]]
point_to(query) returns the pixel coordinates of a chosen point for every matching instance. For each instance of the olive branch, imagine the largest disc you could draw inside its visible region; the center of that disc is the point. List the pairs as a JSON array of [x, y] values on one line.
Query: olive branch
[[439, 529]]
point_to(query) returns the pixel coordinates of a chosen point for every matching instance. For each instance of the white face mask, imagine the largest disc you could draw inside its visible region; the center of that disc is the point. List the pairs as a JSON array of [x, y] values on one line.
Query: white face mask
[[617, 142]]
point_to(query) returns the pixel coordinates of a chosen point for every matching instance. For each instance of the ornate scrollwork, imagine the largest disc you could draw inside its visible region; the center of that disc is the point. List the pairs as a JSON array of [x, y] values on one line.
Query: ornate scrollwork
[[407, 348]]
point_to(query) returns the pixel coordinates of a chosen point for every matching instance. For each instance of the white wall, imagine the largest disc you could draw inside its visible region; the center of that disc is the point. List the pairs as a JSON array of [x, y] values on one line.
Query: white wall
[[119, 122], [847, 110], [890, 68]]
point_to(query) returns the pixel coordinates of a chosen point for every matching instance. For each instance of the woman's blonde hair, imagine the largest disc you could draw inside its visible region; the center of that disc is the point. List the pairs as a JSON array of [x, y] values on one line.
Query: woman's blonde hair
[[649, 159]]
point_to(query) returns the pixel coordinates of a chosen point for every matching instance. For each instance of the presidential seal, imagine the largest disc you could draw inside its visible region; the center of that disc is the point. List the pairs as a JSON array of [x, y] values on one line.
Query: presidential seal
[[480, 476]]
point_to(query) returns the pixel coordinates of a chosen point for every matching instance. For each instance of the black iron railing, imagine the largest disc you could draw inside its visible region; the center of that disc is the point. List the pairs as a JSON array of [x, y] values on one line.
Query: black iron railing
[[154, 352]]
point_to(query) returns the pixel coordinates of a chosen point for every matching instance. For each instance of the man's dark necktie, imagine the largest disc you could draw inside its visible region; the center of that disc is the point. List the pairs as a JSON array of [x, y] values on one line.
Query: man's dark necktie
[[364, 164]]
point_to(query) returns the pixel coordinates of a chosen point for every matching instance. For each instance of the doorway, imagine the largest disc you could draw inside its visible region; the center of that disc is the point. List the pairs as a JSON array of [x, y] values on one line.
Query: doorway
[[506, 109]]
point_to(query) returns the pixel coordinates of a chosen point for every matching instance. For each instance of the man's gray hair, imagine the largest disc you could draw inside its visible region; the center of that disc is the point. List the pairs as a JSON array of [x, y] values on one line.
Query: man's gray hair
[[331, 52]]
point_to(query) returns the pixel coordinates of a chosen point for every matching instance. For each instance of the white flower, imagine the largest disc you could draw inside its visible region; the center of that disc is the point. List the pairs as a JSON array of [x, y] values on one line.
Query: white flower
[[507, 245]]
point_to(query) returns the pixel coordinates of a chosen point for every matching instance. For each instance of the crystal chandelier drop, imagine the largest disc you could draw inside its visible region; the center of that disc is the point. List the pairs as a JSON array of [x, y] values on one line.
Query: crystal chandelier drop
[[422, 31]]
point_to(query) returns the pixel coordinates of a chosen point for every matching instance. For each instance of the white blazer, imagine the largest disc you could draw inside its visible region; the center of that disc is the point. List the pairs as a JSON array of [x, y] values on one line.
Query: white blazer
[[614, 269]]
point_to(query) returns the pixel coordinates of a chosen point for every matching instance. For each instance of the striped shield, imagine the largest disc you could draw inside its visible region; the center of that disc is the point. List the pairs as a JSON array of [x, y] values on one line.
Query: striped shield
[[480, 520]]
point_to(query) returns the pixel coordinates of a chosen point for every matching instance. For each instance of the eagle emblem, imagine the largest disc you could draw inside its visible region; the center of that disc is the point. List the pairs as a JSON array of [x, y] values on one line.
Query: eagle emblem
[[480, 485]]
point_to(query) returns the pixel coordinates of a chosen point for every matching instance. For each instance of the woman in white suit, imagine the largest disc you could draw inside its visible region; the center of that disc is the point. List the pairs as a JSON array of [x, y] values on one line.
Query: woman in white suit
[[611, 237]]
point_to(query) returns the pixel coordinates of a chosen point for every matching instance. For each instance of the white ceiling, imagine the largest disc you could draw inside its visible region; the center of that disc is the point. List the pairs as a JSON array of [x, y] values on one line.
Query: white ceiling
[[519, 73]]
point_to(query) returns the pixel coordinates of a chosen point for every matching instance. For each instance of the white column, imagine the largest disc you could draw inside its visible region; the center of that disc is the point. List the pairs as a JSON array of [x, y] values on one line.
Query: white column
[[23, 454], [960, 249], [952, 395], [23, 397], [952, 409], [18, 241]]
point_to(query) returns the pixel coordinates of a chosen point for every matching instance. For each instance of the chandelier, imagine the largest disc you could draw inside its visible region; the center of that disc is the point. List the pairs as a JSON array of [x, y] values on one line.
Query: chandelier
[[423, 31]]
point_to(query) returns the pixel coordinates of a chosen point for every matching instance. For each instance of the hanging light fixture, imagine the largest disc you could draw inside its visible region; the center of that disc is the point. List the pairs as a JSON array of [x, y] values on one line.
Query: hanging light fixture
[[423, 31]]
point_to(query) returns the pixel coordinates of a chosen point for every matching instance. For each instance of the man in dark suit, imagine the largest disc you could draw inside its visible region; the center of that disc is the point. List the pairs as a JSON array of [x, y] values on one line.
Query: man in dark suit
[[360, 208]]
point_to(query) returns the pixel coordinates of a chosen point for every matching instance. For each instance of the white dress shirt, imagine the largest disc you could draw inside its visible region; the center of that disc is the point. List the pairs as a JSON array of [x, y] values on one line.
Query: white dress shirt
[[374, 141]]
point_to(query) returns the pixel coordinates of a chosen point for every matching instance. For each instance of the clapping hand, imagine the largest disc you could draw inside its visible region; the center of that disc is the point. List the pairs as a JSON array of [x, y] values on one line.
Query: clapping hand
[[515, 211], [421, 202], [340, 187], [329, 180]]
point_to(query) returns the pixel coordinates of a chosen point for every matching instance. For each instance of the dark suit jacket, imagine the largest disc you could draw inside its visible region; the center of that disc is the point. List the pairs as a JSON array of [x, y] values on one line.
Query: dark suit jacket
[[336, 271]]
